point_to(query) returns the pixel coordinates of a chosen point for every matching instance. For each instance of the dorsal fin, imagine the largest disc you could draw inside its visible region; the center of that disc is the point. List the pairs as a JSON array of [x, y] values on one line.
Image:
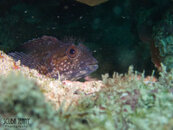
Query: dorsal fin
[[43, 42]]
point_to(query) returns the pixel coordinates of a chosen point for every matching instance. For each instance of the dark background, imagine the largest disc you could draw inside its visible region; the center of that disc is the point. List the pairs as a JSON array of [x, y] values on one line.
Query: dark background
[[116, 31]]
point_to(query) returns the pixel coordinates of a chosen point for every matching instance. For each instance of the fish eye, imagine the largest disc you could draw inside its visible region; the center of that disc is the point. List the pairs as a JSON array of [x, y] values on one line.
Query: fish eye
[[72, 51]]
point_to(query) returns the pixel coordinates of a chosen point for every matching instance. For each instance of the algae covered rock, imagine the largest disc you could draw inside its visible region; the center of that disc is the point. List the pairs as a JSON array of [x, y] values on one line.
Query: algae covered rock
[[128, 101], [27, 94], [21, 95], [21, 98], [163, 40]]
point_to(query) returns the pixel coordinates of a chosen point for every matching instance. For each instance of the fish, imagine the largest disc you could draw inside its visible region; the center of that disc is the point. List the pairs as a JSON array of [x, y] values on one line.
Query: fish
[[57, 59], [92, 2]]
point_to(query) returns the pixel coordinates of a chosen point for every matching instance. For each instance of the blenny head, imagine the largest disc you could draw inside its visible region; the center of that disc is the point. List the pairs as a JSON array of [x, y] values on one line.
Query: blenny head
[[75, 62]]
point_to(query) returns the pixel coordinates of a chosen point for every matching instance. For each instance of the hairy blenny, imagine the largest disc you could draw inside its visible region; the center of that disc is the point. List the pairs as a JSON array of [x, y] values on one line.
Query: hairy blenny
[[53, 57]]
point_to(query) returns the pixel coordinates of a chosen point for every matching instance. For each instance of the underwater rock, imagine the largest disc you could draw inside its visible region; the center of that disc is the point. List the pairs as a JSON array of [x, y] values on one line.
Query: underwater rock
[[92, 2], [55, 58], [55, 90], [159, 36], [163, 42], [127, 97]]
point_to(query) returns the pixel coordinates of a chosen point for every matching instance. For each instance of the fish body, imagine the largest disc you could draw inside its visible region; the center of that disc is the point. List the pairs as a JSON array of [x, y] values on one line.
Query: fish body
[[53, 57]]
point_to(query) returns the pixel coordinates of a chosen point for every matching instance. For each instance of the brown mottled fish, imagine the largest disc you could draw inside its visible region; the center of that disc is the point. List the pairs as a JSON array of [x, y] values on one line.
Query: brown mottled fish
[[52, 57]]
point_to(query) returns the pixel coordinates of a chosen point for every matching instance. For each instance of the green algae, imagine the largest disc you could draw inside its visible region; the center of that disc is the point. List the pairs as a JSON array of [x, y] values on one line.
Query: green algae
[[22, 98], [163, 36], [126, 102]]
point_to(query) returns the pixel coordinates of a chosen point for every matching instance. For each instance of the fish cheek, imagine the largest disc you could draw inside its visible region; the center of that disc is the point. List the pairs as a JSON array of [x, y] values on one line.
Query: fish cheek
[[42, 69]]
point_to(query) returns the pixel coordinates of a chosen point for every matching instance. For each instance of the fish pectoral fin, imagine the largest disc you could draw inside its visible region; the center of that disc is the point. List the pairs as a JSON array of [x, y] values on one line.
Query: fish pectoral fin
[[24, 59]]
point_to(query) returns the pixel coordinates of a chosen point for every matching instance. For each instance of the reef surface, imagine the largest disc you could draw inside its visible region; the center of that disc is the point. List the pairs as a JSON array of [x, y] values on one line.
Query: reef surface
[[125, 101]]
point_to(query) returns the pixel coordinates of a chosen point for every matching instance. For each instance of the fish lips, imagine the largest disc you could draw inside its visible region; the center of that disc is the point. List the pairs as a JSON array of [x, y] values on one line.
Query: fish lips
[[93, 67], [88, 70]]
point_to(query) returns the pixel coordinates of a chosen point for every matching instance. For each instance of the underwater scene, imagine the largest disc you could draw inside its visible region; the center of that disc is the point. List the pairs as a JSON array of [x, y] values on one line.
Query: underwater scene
[[86, 64]]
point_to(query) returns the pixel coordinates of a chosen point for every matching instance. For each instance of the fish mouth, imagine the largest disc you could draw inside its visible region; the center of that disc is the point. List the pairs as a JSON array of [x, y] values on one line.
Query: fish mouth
[[93, 67], [88, 70]]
